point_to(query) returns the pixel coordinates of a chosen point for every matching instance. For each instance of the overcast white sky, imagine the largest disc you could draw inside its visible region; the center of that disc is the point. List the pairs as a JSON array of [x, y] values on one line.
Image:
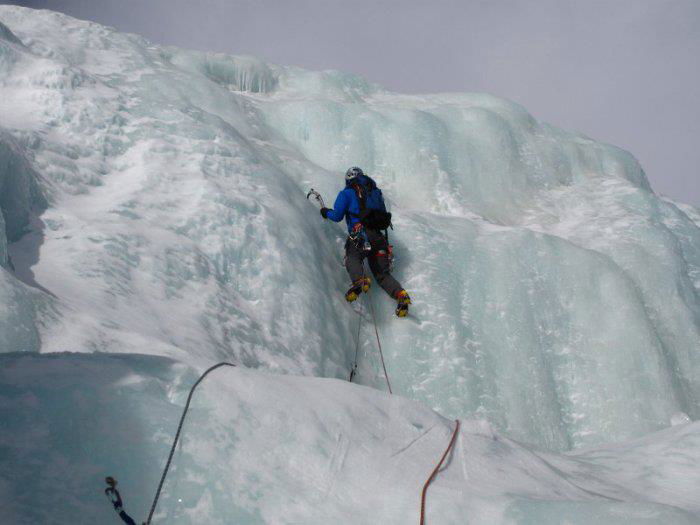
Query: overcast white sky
[[621, 71]]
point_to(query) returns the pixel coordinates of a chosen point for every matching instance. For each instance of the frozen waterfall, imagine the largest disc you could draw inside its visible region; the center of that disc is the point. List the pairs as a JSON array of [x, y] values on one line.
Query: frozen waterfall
[[153, 210]]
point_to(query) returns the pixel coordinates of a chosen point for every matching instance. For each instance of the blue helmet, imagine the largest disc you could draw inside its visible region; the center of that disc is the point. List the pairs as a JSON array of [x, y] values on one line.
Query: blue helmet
[[353, 173]]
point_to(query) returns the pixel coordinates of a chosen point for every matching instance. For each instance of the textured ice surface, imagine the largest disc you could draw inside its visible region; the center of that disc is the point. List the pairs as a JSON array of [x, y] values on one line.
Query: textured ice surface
[[263, 448], [20, 197], [19, 192], [555, 295]]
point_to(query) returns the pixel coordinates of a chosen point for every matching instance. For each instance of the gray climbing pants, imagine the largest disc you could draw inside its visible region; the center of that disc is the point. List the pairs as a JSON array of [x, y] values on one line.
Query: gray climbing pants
[[378, 261]]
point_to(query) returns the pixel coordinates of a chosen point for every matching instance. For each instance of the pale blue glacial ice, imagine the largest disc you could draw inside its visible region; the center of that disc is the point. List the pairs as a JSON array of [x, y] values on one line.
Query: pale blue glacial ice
[[555, 295], [263, 448]]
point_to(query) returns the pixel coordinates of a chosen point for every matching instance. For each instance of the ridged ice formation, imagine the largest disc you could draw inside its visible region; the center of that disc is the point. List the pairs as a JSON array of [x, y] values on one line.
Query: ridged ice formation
[[555, 294]]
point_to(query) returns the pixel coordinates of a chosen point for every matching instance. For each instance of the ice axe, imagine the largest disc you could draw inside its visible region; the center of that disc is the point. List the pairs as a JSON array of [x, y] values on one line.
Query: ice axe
[[317, 196]]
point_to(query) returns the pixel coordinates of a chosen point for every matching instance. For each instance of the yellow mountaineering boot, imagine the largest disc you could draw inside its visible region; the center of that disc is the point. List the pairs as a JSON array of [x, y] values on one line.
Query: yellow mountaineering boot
[[366, 283], [359, 286], [403, 301]]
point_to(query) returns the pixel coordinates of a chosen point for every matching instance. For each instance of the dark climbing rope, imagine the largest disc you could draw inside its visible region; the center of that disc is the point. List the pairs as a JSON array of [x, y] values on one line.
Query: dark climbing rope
[[435, 471], [118, 506], [379, 345], [177, 436], [353, 371]]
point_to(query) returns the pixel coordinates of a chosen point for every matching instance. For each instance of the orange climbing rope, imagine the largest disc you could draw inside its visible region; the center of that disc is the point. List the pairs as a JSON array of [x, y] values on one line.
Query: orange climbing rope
[[435, 471]]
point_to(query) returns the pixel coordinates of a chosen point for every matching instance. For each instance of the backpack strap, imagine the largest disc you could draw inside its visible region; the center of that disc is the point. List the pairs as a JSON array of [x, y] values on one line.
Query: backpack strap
[[361, 197], [361, 193]]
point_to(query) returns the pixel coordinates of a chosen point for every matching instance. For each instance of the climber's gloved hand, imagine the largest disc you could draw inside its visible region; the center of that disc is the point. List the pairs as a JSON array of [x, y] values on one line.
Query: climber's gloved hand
[[324, 212]]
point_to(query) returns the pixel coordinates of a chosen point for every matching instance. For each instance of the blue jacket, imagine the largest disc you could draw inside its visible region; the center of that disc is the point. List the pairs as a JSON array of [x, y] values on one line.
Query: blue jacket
[[347, 204]]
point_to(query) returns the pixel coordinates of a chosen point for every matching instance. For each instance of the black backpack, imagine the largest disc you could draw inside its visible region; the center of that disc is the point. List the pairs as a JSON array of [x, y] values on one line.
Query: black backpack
[[373, 214]]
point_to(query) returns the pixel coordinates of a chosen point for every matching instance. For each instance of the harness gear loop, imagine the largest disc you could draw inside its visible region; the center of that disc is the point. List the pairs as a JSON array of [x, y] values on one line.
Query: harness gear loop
[[358, 236], [435, 471]]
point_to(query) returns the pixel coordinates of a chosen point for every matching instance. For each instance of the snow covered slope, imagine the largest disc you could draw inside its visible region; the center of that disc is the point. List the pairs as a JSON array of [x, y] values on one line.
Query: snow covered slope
[[261, 448], [154, 203]]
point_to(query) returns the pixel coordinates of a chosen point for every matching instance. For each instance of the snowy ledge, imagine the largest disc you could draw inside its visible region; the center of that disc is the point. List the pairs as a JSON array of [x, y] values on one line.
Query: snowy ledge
[[262, 448]]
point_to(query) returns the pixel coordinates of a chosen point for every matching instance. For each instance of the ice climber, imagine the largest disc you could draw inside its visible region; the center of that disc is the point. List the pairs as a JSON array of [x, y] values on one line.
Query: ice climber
[[362, 205]]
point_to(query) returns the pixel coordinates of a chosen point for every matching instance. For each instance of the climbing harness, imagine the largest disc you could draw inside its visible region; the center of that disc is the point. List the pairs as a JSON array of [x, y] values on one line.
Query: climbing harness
[[358, 236], [435, 471]]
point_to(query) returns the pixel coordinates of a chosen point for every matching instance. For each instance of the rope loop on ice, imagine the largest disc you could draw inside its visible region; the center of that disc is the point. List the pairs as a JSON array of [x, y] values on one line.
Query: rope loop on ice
[[219, 365], [177, 436], [433, 474], [435, 471]]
